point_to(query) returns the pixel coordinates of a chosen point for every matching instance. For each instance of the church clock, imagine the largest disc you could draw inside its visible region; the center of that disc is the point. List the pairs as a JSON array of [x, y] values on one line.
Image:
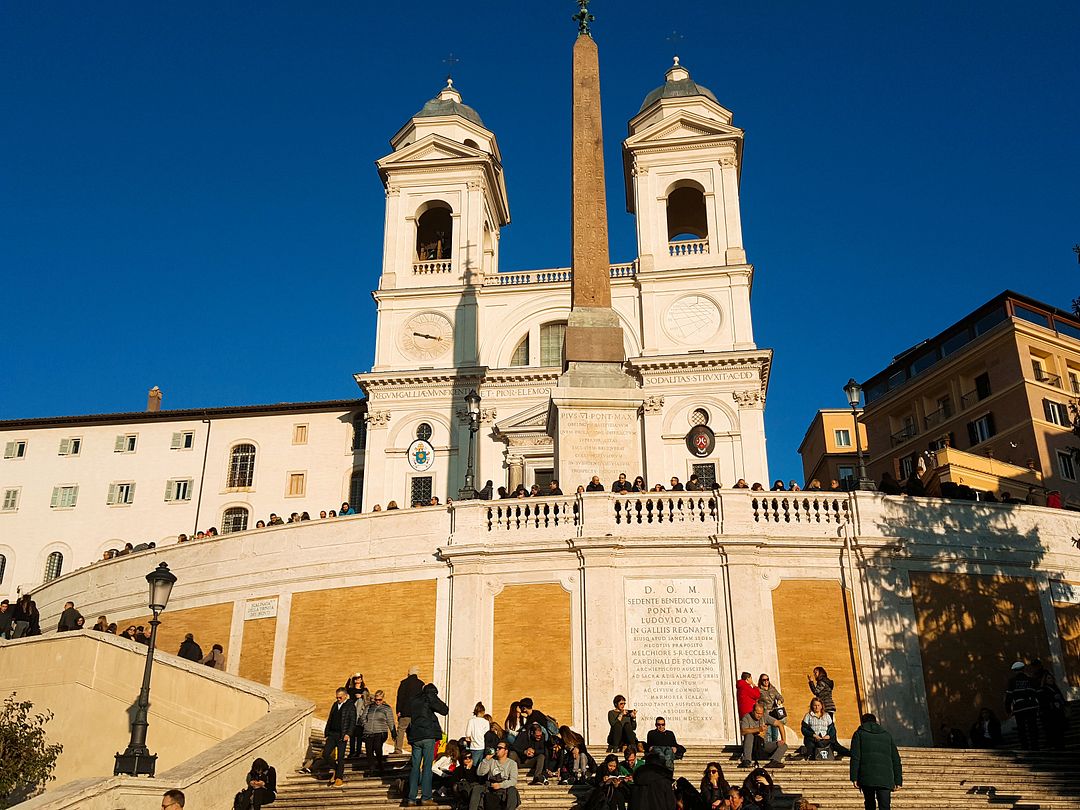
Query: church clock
[[426, 336]]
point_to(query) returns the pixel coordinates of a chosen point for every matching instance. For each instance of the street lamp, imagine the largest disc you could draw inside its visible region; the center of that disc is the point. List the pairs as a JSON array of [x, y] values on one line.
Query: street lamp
[[854, 394], [137, 759], [472, 400]]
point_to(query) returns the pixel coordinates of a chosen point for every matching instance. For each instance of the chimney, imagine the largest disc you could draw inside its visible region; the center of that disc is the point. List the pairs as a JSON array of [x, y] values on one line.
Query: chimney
[[153, 399]]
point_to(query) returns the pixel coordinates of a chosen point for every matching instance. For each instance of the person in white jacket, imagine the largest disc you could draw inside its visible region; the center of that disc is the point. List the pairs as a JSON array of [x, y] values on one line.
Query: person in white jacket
[[475, 730]]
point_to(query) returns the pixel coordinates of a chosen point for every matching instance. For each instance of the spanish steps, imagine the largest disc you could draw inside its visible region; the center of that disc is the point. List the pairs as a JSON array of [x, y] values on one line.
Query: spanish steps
[[934, 779]]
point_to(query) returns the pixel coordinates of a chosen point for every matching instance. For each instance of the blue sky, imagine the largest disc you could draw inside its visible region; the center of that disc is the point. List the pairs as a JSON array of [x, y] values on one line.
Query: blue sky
[[188, 197]]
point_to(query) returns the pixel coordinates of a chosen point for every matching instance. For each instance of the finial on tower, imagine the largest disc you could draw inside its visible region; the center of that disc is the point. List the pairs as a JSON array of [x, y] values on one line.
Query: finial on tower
[[583, 18], [675, 38], [450, 61]]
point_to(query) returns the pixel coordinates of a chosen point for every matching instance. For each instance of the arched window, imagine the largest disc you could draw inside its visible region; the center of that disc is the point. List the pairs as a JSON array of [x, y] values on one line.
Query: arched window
[[241, 466], [699, 416], [471, 142], [520, 357], [3, 567], [686, 216], [234, 519], [356, 490], [552, 337], [423, 431], [359, 432], [434, 229], [54, 566]]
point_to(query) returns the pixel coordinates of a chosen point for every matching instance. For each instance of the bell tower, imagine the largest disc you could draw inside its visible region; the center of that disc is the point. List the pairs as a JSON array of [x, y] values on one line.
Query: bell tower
[[445, 198]]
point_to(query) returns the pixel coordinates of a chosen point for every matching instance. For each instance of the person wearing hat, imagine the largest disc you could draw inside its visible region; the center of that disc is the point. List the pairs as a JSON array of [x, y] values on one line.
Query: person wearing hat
[[1022, 702]]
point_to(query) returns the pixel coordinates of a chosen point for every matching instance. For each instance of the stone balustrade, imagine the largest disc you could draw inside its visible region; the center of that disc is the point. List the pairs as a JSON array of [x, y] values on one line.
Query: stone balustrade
[[430, 268], [688, 247], [557, 275]]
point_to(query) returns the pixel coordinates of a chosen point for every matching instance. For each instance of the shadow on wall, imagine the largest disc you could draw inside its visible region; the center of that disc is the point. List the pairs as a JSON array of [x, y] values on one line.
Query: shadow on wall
[[970, 579]]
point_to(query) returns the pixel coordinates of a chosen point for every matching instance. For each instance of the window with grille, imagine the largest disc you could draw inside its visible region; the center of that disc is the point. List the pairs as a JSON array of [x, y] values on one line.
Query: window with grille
[[552, 337], [64, 497], [706, 474], [241, 466], [11, 500], [234, 519], [423, 431], [182, 440], [297, 485], [54, 566], [70, 447], [420, 489], [359, 432], [122, 492], [520, 357], [699, 416], [178, 489], [15, 450], [356, 490]]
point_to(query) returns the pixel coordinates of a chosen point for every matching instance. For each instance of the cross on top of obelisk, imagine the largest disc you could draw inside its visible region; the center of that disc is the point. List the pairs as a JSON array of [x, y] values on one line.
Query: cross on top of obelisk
[[583, 18]]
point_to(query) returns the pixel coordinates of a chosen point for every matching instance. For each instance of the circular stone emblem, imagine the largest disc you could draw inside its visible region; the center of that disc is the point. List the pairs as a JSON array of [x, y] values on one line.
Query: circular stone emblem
[[700, 441], [421, 455], [692, 319]]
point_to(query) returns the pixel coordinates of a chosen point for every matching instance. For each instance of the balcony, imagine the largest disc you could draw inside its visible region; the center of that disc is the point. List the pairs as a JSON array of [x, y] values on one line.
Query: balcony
[[971, 397], [688, 247], [901, 436], [559, 274], [938, 416], [431, 267], [1046, 378]]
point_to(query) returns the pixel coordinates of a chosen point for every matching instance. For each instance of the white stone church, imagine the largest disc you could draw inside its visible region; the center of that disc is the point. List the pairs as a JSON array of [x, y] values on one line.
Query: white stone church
[[450, 320]]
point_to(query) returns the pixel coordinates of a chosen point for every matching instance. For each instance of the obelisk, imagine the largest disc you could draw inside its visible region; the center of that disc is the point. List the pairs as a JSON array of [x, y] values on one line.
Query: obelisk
[[594, 416]]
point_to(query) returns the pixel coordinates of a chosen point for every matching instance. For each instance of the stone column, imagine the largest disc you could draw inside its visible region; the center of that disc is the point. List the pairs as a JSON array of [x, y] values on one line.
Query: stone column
[[517, 471], [655, 463], [376, 466]]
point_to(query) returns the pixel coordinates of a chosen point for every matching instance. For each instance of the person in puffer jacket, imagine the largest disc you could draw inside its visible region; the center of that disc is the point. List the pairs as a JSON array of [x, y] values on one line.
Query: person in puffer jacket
[[424, 730], [875, 764]]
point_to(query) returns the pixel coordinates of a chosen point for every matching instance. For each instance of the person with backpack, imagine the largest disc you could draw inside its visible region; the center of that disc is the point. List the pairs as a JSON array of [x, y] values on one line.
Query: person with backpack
[[423, 731], [875, 764], [261, 787]]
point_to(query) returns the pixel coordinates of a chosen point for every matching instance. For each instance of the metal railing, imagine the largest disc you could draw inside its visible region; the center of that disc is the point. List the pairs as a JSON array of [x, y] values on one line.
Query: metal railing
[[1047, 378], [938, 416], [971, 397], [902, 436]]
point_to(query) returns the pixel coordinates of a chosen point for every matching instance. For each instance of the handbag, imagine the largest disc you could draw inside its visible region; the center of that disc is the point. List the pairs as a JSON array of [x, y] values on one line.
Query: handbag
[[779, 713]]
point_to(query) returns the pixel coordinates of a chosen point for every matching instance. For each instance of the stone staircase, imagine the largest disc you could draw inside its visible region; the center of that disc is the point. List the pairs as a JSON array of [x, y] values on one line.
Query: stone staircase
[[934, 779]]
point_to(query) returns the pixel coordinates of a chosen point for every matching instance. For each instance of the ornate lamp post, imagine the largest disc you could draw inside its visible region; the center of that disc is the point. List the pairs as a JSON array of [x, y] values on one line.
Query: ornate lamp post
[[137, 759], [472, 400], [854, 394]]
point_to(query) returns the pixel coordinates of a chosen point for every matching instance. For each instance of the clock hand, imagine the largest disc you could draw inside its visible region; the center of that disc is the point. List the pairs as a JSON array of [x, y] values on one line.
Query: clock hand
[[429, 337]]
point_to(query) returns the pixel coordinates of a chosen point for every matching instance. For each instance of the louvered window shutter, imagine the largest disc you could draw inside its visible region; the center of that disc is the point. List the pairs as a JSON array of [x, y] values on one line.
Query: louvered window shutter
[[112, 494], [65, 447], [177, 441], [120, 444], [169, 488], [130, 493], [55, 497]]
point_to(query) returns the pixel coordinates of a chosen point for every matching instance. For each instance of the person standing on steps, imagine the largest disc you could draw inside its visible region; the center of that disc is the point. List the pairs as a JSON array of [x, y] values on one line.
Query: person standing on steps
[[340, 727], [1022, 701], [408, 690], [424, 730], [875, 764]]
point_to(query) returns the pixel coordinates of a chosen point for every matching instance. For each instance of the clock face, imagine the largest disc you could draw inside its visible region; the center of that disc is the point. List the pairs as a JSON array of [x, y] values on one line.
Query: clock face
[[692, 319], [426, 336]]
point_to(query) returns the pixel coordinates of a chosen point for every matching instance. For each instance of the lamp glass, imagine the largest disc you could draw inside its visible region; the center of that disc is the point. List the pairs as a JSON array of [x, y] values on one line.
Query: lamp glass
[[161, 581], [473, 401], [854, 392]]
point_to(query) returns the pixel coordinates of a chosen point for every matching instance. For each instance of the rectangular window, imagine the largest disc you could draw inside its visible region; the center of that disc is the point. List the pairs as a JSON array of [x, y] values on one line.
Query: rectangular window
[[1030, 315], [847, 476], [843, 438], [1056, 413], [296, 485], [178, 489], [1074, 381], [64, 497], [982, 386], [420, 490], [182, 440], [122, 492], [542, 478], [299, 434], [15, 450], [125, 443], [706, 474], [552, 337], [981, 429], [11, 500], [70, 447], [1066, 465], [907, 467]]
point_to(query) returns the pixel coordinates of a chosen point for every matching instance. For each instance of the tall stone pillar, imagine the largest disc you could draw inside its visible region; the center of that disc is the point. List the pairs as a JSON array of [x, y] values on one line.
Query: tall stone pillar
[[517, 471]]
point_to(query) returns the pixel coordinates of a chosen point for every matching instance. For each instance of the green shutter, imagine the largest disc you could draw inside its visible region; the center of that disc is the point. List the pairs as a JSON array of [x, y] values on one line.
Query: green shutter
[[120, 444], [55, 497], [112, 497]]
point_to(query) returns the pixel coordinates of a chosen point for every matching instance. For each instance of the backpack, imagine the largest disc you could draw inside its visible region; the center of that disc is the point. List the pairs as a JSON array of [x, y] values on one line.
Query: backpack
[[823, 751]]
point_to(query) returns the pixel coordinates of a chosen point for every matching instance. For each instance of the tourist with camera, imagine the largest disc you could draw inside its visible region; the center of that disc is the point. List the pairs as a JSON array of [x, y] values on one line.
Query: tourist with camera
[[623, 725], [497, 785]]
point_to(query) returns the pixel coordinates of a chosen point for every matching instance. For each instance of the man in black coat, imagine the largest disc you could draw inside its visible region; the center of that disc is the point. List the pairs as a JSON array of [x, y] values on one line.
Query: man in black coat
[[69, 619], [408, 690], [340, 727], [652, 788], [7, 616], [1022, 701], [424, 730], [531, 752], [189, 649]]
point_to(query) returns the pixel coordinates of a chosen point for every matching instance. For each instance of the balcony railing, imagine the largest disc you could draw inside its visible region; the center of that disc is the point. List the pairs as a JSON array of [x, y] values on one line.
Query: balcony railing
[[902, 436], [1047, 378], [427, 268], [625, 270], [1074, 384], [938, 416], [688, 247], [971, 397]]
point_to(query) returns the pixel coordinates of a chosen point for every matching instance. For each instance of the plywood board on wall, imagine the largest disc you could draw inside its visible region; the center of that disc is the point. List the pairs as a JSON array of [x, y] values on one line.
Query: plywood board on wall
[[815, 628], [534, 659], [377, 630], [257, 649], [971, 628], [210, 625]]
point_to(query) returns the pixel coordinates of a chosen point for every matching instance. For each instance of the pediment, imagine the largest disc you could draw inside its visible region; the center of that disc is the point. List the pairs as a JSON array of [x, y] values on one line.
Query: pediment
[[432, 147], [531, 420], [681, 126]]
